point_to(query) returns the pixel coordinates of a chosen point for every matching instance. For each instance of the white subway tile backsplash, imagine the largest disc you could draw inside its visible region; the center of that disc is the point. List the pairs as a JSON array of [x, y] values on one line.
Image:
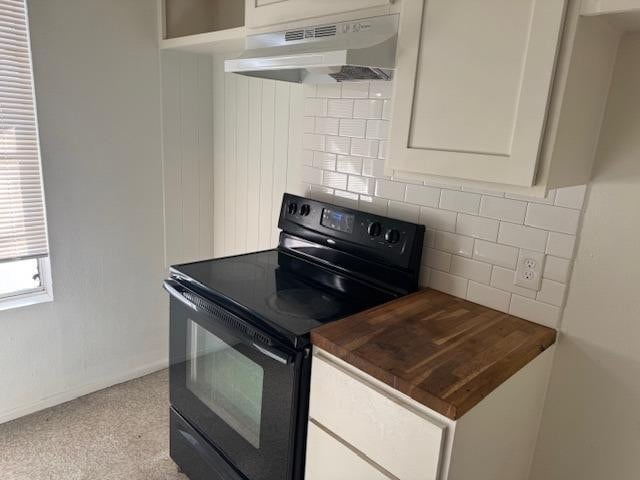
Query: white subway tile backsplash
[[404, 211], [346, 199], [334, 180], [355, 90], [425, 276], [351, 165], [503, 209], [340, 108], [571, 197], [548, 200], [315, 107], [390, 190], [381, 89], [556, 219], [477, 227], [339, 145], [368, 109], [502, 278], [471, 269], [488, 296], [557, 269], [322, 194], [496, 254], [436, 219], [377, 129], [534, 311], [307, 157], [473, 235], [359, 184], [453, 243], [523, 237], [311, 175], [352, 127], [372, 167], [436, 259], [327, 126], [448, 283], [326, 161], [309, 90], [374, 205], [561, 245], [430, 238], [427, 196], [551, 292], [311, 141], [309, 124], [332, 90], [383, 151], [387, 109], [460, 201], [362, 147]]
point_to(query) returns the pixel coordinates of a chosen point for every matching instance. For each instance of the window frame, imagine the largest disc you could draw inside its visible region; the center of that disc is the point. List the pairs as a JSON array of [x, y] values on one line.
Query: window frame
[[25, 298]]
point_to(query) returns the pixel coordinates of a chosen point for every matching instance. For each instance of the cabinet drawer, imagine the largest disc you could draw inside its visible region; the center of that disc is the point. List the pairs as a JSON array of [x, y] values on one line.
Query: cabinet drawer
[[399, 439], [327, 458]]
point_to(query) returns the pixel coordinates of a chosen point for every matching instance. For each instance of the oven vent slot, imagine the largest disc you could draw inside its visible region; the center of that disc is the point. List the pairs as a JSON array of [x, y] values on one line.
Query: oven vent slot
[[228, 318]]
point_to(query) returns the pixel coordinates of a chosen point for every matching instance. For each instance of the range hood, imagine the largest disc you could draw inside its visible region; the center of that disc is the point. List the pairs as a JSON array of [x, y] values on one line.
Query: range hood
[[329, 53]]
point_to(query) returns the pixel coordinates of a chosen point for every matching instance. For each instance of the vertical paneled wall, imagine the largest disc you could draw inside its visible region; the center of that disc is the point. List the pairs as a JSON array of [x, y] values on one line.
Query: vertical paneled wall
[[232, 147], [188, 132], [256, 157]]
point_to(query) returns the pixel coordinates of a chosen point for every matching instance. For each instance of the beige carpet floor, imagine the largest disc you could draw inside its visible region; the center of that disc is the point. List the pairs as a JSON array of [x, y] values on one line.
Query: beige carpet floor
[[118, 433]]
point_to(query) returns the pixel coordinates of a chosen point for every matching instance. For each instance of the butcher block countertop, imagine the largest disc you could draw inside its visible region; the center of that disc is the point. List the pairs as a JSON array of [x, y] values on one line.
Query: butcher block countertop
[[444, 352]]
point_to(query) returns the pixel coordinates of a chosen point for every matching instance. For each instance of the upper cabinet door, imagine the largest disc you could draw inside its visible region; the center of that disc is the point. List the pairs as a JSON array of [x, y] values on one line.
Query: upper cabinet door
[[262, 13], [472, 87]]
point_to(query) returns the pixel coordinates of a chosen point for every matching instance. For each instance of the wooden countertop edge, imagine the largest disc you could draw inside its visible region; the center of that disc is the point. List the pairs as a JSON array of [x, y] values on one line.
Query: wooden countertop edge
[[429, 400], [452, 410]]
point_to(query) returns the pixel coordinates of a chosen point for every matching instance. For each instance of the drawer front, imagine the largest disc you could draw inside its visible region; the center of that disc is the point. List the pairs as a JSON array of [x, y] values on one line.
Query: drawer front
[[399, 439], [327, 458]]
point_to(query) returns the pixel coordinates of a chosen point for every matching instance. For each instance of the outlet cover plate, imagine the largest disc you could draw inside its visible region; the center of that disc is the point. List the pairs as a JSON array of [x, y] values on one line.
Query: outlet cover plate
[[529, 271]]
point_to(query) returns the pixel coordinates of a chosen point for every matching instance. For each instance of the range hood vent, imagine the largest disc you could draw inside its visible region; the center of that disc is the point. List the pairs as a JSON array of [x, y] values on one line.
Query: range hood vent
[[317, 32], [340, 52]]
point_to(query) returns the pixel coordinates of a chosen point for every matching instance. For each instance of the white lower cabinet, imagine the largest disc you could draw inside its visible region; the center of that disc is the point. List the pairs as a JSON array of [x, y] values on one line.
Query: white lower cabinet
[[362, 429], [335, 460]]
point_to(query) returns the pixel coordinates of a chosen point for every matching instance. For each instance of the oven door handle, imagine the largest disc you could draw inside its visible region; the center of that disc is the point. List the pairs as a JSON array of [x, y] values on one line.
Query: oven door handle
[[177, 291], [172, 287]]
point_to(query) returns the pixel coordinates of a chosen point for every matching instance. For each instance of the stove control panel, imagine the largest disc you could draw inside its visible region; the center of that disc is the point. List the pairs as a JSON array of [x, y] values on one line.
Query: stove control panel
[[372, 236]]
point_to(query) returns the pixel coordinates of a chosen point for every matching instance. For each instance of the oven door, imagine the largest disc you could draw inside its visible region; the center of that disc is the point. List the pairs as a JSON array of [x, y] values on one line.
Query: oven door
[[233, 385]]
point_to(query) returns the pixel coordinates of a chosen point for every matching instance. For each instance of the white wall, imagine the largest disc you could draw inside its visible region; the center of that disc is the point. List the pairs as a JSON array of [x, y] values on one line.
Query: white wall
[[98, 93], [591, 424], [232, 147], [473, 237]]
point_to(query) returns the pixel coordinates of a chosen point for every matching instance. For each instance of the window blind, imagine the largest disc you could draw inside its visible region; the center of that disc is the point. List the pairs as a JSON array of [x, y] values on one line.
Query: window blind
[[22, 214]]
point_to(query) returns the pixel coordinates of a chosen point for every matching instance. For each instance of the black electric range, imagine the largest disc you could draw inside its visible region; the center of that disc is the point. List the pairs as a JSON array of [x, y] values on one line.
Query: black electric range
[[240, 328]]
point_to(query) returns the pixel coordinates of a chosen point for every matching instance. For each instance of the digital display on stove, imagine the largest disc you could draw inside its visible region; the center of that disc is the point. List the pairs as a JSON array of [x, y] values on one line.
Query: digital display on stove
[[340, 221]]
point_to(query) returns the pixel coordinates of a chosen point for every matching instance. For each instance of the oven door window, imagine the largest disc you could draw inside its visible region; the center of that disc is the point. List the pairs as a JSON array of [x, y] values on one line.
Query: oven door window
[[226, 381], [238, 397]]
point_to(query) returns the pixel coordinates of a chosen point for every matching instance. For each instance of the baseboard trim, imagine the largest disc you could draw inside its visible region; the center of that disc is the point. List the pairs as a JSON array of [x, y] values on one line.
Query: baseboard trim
[[68, 395]]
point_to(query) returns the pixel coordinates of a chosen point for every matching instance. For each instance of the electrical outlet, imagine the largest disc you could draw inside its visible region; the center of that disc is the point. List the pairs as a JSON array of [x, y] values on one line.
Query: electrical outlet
[[529, 270]]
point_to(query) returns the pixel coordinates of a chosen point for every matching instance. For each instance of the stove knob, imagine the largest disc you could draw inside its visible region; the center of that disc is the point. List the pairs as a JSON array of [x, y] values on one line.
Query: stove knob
[[305, 210], [293, 208], [375, 229], [392, 236]]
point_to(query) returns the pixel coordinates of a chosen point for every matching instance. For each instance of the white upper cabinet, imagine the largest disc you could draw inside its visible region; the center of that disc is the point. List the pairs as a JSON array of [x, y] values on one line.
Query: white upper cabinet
[[264, 13], [472, 87], [489, 91]]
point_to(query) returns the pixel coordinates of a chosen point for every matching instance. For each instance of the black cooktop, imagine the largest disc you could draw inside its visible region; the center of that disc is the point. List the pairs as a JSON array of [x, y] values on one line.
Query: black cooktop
[[292, 295]]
